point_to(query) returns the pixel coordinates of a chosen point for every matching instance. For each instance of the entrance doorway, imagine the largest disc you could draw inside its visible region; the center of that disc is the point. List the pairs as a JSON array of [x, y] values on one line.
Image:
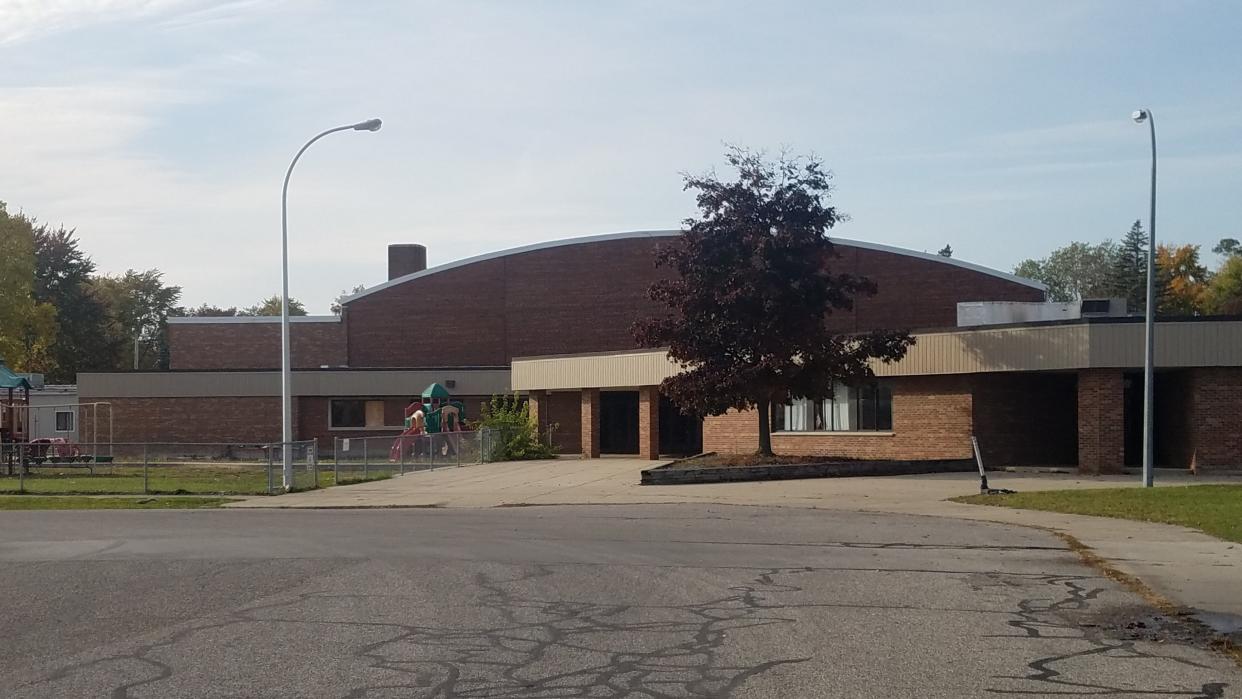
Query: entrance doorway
[[680, 435], [618, 422]]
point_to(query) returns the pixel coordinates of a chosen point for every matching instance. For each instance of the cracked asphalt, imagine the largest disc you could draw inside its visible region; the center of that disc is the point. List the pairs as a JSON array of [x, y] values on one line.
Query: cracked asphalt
[[563, 602]]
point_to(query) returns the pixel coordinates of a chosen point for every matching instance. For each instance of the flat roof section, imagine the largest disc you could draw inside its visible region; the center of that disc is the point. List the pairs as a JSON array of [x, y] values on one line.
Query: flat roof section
[[221, 320], [317, 382], [1053, 346]]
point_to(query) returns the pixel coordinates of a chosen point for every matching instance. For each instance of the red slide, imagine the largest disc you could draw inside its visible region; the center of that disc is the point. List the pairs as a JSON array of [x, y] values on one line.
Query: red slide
[[406, 440]]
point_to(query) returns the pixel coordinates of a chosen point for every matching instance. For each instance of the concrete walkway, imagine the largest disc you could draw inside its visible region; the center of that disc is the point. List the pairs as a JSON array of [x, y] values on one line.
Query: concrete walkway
[[1188, 567]]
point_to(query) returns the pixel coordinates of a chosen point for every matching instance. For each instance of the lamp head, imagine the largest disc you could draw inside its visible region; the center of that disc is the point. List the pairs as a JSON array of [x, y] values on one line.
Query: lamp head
[[1139, 116], [368, 125]]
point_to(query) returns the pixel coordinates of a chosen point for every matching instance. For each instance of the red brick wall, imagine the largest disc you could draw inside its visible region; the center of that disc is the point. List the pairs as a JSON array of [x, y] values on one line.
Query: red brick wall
[[585, 297], [1217, 417], [254, 345], [649, 422], [312, 422], [183, 420], [1026, 419], [1101, 421], [589, 400], [562, 409], [931, 420]]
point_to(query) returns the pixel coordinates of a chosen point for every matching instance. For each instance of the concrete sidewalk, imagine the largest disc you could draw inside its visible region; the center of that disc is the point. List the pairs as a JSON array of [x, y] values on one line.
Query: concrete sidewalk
[[1188, 567]]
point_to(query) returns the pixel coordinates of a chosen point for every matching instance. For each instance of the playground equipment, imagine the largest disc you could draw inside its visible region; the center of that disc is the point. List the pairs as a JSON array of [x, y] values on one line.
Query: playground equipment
[[433, 413], [22, 443], [14, 429]]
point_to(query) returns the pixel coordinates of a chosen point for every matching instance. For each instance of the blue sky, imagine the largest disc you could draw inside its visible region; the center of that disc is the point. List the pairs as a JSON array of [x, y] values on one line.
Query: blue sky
[[161, 129]]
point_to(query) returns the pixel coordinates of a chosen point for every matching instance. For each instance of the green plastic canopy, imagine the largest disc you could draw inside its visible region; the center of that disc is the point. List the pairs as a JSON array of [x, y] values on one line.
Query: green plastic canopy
[[10, 380], [435, 390]]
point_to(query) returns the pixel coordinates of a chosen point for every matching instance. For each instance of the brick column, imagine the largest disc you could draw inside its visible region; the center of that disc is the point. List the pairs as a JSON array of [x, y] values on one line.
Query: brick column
[[1101, 421], [649, 422], [590, 423]]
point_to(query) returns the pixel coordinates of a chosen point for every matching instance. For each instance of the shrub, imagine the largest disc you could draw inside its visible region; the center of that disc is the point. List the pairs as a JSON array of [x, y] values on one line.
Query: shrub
[[514, 432]]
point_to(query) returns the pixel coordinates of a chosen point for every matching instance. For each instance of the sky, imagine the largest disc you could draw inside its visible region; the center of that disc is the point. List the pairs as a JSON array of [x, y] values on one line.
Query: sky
[[161, 129]]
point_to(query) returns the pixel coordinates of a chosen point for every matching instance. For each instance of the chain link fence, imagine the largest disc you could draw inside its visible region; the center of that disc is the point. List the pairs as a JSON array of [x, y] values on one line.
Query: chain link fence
[[160, 468], [369, 458]]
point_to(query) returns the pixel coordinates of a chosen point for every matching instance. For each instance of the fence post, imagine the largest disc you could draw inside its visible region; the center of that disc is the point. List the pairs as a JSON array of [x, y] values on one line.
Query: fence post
[[21, 468], [315, 460], [366, 459], [269, 469], [401, 448], [146, 476], [336, 461]]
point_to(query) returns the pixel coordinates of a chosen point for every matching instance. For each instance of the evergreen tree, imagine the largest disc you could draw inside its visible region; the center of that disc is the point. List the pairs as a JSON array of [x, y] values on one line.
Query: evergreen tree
[[1129, 275], [62, 278]]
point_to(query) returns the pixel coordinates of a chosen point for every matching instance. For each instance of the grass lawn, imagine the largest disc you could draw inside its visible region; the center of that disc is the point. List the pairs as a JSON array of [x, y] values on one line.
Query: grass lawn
[[1214, 509], [40, 502], [165, 480]]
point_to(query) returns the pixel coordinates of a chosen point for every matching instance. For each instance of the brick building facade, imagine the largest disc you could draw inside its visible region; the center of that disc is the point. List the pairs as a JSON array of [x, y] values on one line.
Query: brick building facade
[[1047, 395]]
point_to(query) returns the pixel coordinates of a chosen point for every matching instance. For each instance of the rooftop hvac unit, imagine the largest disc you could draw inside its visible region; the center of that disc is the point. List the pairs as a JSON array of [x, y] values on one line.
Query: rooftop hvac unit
[[1103, 308], [36, 381]]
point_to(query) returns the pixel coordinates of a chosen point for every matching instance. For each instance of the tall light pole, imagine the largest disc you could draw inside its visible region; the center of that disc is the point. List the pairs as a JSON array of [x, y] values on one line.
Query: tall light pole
[[1149, 355], [286, 371]]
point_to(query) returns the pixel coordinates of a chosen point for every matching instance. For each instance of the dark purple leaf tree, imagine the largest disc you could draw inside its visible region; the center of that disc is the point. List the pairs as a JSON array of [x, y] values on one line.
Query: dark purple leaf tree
[[753, 287]]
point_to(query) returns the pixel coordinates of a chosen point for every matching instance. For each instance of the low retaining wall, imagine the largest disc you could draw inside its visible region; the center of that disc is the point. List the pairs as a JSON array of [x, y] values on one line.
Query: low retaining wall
[[676, 474]]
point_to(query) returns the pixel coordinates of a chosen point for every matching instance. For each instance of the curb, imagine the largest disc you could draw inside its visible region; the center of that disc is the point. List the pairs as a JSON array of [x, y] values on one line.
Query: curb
[[671, 474]]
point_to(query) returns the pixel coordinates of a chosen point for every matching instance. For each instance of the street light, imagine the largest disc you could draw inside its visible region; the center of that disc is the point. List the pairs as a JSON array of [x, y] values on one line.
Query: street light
[[286, 372], [1149, 355]]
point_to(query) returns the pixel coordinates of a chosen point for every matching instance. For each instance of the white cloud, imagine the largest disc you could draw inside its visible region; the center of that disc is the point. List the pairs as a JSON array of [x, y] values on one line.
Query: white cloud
[[29, 19]]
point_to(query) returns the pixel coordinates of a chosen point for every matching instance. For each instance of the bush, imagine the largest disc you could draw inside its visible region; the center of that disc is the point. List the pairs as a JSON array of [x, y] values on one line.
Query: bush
[[515, 433]]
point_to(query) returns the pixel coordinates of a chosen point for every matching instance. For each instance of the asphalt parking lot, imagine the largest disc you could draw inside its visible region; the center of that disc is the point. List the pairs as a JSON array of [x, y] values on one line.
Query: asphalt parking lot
[[572, 601]]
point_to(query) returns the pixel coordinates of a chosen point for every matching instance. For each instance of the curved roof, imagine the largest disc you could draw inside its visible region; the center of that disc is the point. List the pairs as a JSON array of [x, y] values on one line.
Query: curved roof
[[672, 234]]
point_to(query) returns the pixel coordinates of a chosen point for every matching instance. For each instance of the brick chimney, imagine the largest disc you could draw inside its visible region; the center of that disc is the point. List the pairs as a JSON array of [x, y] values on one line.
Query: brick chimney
[[406, 258]]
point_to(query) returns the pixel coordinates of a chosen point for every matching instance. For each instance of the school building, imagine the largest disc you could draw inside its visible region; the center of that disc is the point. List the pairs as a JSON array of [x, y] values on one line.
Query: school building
[[1035, 383]]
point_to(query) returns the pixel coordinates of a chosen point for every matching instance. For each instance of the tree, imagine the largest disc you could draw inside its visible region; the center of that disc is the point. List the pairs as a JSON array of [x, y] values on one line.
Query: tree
[[752, 289], [27, 326], [1129, 275], [1224, 292], [516, 431], [946, 251], [1075, 271], [1228, 247], [271, 307], [207, 311], [339, 304], [1182, 280], [62, 278], [138, 305]]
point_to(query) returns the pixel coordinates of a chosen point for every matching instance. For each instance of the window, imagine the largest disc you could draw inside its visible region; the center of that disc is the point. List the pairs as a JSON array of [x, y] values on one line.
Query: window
[[356, 413], [64, 420], [867, 408]]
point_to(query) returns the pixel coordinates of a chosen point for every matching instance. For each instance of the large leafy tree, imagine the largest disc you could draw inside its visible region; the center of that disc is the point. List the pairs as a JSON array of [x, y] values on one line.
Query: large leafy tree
[[270, 306], [1183, 280], [27, 325], [753, 285], [1228, 247], [1224, 292], [63, 279], [1074, 272], [138, 305], [206, 311]]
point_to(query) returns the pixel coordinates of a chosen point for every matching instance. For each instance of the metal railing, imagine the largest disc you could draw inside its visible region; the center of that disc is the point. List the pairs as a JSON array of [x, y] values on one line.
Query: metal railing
[[205, 468]]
